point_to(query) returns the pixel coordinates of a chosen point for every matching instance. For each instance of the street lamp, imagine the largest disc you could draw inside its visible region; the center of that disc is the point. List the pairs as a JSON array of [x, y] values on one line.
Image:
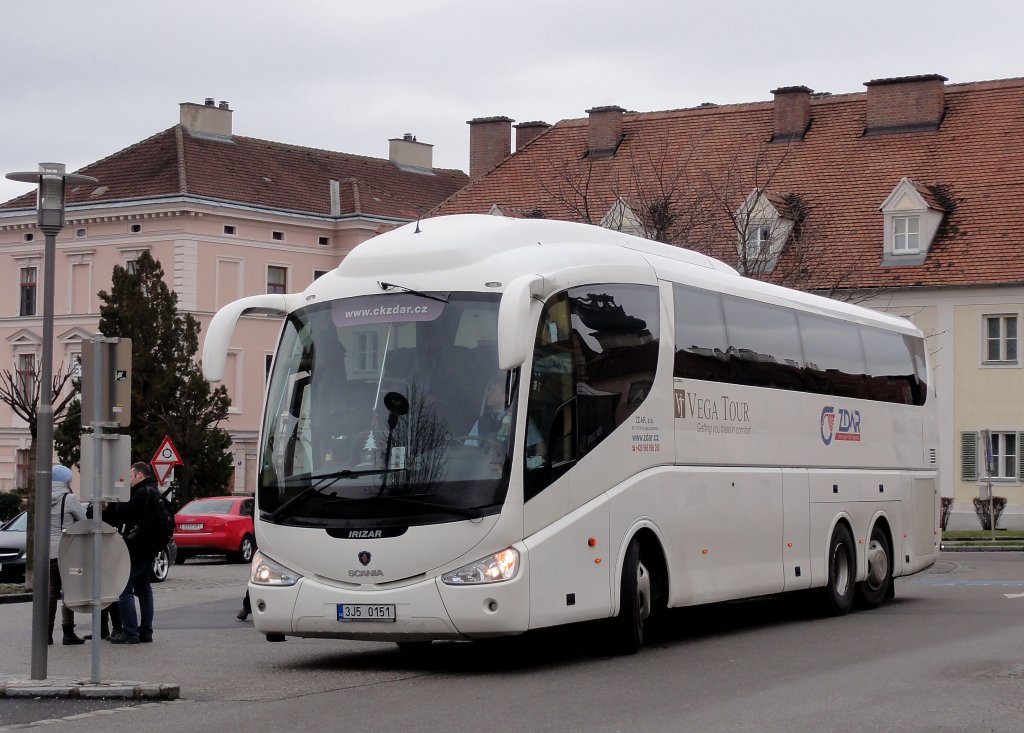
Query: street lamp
[[52, 181]]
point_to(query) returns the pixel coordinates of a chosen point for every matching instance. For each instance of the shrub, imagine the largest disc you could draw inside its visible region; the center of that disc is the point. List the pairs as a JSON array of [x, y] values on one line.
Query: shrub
[[981, 509], [944, 512], [10, 505]]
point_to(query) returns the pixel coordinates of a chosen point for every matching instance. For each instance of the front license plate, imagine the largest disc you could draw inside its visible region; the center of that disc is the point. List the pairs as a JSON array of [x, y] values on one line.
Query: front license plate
[[190, 526], [366, 611]]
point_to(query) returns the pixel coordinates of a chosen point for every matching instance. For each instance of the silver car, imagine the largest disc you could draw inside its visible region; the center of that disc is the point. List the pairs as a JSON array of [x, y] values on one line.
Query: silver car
[[13, 535]]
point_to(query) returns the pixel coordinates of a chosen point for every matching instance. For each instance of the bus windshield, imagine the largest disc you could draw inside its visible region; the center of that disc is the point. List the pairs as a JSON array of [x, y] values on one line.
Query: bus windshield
[[387, 411]]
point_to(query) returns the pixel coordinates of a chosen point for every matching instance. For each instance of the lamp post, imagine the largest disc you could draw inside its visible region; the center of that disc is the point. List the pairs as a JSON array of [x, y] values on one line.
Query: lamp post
[[52, 179]]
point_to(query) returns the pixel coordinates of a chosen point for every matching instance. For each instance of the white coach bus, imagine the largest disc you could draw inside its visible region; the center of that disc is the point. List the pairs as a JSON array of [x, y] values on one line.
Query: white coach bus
[[476, 426]]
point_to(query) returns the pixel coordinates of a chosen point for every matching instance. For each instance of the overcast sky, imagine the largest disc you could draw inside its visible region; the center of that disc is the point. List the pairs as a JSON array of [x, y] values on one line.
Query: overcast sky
[[86, 79]]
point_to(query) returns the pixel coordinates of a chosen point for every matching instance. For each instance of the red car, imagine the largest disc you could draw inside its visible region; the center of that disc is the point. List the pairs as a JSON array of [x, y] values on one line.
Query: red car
[[216, 525]]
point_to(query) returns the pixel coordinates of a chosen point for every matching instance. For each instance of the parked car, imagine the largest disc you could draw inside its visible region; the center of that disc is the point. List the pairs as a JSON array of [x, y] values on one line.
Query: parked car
[[216, 525], [13, 535], [163, 561]]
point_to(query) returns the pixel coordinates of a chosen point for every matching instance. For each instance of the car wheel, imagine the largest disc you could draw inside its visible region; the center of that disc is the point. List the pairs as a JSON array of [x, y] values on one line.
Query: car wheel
[[246, 550], [161, 566]]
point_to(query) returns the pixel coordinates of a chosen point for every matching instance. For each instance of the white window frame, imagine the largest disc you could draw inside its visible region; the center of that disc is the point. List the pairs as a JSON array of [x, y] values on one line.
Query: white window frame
[[1004, 454], [758, 241], [22, 369], [1003, 339], [909, 246], [238, 396]]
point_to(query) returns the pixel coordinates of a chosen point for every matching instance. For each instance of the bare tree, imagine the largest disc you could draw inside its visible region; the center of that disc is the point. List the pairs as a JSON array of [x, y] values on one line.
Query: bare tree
[[20, 390]]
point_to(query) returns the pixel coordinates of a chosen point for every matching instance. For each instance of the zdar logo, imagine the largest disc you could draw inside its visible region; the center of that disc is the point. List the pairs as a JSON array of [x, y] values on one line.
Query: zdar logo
[[839, 424], [364, 558]]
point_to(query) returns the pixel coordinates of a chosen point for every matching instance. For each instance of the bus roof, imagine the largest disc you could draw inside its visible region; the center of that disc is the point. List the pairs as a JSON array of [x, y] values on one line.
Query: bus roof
[[467, 251]]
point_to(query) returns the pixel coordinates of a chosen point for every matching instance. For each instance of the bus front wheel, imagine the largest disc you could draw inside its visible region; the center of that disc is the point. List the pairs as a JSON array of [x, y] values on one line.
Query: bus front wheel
[[842, 571], [635, 604]]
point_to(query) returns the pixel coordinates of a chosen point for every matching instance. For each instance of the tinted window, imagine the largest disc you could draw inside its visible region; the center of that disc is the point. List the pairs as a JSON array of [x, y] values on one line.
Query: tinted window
[[701, 344], [208, 506], [765, 340], [722, 338], [594, 363]]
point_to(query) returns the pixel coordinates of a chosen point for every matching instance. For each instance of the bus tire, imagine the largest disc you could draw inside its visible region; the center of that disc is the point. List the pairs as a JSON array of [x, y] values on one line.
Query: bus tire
[[842, 571], [875, 587], [635, 602]]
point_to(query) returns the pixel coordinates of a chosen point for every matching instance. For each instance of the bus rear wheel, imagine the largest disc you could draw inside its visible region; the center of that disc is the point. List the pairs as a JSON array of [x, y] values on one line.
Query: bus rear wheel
[[636, 602], [875, 588], [842, 570]]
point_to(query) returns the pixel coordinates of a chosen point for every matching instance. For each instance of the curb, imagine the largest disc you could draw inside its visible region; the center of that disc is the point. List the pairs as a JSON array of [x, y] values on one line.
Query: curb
[[15, 598], [75, 688], [982, 548]]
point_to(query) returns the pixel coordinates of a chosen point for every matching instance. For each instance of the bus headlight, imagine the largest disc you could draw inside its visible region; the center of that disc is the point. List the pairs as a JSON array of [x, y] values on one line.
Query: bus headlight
[[492, 569], [267, 572]]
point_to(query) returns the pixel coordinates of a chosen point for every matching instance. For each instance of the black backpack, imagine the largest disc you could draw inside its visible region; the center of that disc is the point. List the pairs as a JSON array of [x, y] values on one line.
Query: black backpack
[[159, 521]]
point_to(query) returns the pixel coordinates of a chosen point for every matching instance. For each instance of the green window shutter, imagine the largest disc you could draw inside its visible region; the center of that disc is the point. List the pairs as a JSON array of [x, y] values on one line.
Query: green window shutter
[[969, 456], [1020, 456]]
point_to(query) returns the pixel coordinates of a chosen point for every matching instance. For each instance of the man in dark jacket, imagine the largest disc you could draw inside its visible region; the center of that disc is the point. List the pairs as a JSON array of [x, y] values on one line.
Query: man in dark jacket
[[134, 517]]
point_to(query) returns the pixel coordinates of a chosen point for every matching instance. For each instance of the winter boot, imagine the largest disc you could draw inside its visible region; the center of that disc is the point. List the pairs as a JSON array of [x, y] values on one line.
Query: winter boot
[[70, 639]]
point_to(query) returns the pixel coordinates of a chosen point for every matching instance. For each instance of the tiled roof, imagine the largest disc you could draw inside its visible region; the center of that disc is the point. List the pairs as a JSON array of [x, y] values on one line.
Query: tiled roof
[[260, 173], [972, 168]]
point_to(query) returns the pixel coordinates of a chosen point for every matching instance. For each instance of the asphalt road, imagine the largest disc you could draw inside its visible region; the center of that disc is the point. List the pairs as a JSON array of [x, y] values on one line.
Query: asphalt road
[[946, 655]]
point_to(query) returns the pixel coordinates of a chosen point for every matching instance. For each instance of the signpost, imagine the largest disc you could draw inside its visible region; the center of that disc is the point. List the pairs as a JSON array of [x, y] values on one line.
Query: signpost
[[165, 459]]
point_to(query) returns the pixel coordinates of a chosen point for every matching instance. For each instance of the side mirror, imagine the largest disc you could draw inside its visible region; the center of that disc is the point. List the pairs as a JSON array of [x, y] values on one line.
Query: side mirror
[[514, 328], [218, 333]]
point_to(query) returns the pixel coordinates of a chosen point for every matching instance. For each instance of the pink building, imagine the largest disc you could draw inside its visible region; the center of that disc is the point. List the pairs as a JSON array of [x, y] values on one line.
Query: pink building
[[226, 216]]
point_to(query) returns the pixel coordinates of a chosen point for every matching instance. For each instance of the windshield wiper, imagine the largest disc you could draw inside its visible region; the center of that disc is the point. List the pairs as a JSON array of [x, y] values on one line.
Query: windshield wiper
[[325, 481], [388, 286]]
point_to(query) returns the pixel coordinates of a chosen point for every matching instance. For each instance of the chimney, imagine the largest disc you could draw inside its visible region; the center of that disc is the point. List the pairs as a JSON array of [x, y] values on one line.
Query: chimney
[[405, 152], [527, 131], [905, 104], [206, 119], [604, 131], [792, 113], [489, 141]]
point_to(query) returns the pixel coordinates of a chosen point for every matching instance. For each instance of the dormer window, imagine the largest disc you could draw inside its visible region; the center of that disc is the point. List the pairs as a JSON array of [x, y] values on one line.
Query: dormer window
[[763, 224], [906, 234], [622, 218], [758, 241], [912, 214]]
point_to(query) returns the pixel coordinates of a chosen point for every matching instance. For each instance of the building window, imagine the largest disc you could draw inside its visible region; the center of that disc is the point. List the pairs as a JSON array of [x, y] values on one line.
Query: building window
[[229, 229], [317, 274], [28, 291], [758, 242], [906, 232], [29, 237], [277, 279], [81, 233], [1003, 455], [27, 376], [277, 236], [130, 267], [135, 228], [323, 241], [1001, 339]]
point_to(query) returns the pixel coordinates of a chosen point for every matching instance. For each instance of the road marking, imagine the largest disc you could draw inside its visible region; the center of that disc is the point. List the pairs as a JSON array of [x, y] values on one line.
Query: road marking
[[1014, 595], [966, 581]]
